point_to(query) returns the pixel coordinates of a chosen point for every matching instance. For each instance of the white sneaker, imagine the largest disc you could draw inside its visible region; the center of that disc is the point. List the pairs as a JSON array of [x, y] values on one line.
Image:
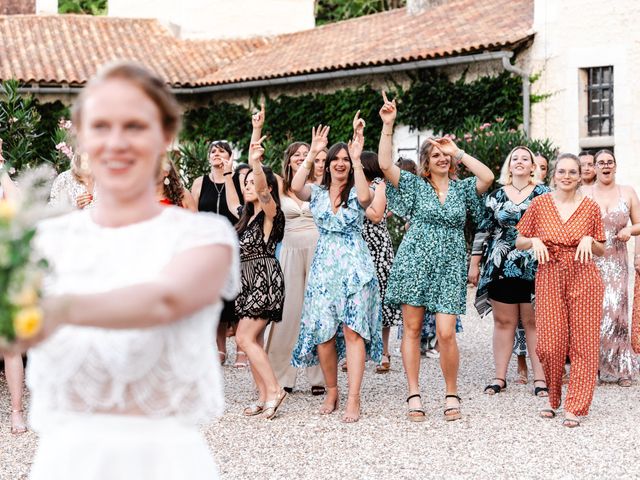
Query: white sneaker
[[432, 353]]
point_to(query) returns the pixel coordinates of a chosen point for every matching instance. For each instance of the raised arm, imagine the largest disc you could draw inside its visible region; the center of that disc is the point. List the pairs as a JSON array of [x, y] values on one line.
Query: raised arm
[[388, 114], [319, 141], [364, 193], [376, 210], [192, 280], [231, 195], [256, 153], [484, 175], [257, 122]]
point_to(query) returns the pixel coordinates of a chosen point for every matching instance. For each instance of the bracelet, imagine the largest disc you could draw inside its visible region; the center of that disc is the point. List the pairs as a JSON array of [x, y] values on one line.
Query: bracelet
[[359, 165], [227, 173], [307, 165], [459, 154], [387, 134]]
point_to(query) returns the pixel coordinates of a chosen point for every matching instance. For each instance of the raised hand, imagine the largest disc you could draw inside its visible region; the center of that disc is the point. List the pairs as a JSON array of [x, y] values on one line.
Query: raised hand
[[227, 164], [358, 126], [319, 138], [256, 151], [388, 111], [446, 146], [355, 147], [257, 119]]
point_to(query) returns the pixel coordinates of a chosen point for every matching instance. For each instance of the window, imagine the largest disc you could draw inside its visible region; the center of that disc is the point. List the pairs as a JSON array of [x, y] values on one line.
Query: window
[[600, 101]]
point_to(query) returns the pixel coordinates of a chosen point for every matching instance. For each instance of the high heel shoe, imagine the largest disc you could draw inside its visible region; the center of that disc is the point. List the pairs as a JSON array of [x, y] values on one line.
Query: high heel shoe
[[327, 409]]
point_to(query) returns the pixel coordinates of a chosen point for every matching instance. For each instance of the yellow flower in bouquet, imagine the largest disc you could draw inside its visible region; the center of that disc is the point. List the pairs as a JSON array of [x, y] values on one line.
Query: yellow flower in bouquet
[[7, 210], [27, 322]]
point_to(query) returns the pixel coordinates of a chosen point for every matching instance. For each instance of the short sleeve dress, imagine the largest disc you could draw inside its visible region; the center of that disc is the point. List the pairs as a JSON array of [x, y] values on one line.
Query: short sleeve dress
[[342, 288], [430, 268], [262, 292]]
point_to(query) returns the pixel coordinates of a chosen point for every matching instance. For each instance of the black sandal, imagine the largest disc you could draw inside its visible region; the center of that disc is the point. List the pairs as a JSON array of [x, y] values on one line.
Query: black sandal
[[456, 415], [538, 390], [411, 414], [493, 388], [317, 390]]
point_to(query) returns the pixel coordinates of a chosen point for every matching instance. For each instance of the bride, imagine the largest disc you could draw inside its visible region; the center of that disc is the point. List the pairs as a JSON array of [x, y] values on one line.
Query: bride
[[127, 367]]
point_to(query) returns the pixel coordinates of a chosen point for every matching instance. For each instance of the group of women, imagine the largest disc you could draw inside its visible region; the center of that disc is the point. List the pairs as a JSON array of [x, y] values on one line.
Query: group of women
[[145, 367]]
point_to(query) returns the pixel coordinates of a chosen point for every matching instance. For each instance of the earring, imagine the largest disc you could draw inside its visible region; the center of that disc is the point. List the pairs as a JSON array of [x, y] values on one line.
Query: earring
[[166, 181]]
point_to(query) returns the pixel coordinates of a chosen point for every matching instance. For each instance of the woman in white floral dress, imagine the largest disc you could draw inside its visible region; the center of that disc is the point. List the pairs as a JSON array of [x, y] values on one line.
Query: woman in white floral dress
[[342, 303]]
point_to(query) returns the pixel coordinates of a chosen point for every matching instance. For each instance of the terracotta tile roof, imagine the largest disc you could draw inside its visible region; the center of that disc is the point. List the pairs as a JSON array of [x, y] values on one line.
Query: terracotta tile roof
[[59, 49], [458, 27], [68, 48]]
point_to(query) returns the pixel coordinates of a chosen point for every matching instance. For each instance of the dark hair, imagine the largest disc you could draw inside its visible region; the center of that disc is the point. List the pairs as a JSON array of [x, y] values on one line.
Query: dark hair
[[332, 154], [247, 208], [602, 152], [370, 165], [584, 153], [286, 164], [219, 144], [407, 165], [236, 180], [174, 191]]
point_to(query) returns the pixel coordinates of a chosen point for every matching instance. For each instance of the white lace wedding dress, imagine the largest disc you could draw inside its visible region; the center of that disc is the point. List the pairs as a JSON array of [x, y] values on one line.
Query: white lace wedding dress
[[116, 404]]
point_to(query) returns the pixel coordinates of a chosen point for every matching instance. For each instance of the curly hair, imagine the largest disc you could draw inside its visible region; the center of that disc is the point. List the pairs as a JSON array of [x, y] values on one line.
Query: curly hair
[[173, 190]]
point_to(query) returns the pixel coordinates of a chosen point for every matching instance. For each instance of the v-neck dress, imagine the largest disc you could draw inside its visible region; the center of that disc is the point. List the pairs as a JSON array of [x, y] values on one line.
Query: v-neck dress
[[430, 268], [262, 292], [569, 297], [342, 288], [502, 260]]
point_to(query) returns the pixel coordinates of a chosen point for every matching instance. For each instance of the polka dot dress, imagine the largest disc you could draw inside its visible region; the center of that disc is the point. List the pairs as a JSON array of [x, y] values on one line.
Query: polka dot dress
[[568, 300]]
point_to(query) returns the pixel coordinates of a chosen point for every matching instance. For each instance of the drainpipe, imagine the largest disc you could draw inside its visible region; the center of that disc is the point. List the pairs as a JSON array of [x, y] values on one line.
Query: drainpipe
[[526, 93]]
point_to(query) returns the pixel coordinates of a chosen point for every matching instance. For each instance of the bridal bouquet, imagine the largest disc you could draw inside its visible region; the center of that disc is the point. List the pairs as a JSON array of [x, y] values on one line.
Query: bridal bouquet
[[21, 268]]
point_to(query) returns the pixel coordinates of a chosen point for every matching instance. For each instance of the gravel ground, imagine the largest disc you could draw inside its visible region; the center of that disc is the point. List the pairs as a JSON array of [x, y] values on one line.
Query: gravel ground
[[498, 437]]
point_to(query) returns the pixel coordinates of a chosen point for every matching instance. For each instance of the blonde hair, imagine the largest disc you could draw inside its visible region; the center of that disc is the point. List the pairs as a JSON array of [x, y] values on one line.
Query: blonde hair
[[505, 173], [149, 83]]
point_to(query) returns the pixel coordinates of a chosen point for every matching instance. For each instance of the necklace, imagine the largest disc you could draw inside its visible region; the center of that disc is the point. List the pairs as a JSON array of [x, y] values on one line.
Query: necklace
[[519, 189], [219, 192]]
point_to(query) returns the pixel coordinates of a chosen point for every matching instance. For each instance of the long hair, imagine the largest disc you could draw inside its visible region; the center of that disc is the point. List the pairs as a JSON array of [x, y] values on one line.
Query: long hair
[[174, 191], [248, 210], [505, 174], [407, 165], [236, 179], [423, 160], [370, 166], [332, 154], [287, 173]]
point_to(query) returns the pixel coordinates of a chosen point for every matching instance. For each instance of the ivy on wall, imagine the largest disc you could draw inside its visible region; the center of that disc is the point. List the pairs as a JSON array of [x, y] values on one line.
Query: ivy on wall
[[431, 102]]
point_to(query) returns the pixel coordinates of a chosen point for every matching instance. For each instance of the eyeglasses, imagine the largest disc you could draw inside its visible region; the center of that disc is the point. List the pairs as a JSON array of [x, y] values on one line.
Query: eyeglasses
[[565, 173], [608, 163]]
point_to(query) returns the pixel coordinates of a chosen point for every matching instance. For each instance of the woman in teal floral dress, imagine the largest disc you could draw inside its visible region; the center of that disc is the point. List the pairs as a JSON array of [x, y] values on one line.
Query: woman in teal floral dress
[[341, 310], [506, 284], [430, 271]]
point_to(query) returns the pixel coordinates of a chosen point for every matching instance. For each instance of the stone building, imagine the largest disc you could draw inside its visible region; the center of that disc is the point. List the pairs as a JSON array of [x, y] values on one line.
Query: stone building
[[584, 59]]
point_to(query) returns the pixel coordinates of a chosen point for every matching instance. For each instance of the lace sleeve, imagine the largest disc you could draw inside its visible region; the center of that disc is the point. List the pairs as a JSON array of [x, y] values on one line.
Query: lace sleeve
[[211, 229], [59, 191]]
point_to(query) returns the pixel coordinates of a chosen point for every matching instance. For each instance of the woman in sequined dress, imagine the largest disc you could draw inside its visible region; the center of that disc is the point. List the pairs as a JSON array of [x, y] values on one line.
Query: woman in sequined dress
[[618, 205]]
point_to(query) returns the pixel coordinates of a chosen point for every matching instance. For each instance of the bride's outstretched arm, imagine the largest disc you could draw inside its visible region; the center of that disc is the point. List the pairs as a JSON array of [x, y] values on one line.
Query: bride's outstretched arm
[[191, 281]]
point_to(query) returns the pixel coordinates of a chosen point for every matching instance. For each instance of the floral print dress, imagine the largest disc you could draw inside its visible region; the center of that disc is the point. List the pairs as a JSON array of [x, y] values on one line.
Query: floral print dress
[[342, 288], [430, 268], [501, 259]]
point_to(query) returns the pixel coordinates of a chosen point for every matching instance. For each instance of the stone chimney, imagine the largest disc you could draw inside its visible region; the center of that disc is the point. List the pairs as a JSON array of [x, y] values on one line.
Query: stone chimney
[[17, 7], [415, 7]]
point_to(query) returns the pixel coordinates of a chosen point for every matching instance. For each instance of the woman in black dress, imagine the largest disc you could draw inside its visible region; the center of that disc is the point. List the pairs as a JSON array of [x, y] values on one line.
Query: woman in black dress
[[209, 194], [260, 228]]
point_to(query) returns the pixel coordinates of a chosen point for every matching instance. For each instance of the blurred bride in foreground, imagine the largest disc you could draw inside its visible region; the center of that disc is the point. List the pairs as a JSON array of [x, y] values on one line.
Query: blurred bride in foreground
[[127, 365]]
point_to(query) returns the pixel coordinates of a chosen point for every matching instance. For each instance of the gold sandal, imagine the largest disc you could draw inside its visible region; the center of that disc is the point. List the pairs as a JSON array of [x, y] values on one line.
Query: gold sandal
[[271, 407], [384, 366]]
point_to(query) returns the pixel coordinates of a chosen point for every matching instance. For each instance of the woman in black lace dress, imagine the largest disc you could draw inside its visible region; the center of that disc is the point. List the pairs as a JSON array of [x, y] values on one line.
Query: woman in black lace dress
[[260, 227]]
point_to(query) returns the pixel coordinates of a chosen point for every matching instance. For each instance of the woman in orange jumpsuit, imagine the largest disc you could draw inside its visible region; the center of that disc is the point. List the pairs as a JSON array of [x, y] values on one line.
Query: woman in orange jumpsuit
[[564, 229]]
